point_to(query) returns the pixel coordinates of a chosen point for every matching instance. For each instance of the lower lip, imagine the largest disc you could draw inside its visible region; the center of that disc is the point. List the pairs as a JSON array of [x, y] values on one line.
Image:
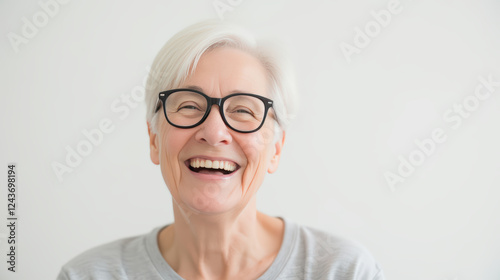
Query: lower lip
[[205, 176]]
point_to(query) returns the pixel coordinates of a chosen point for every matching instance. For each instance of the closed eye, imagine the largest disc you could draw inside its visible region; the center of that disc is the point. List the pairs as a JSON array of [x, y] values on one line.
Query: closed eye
[[243, 111], [188, 107]]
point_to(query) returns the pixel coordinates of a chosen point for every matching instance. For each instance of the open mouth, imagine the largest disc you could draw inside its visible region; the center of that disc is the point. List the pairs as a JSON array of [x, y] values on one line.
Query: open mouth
[[206, 166]]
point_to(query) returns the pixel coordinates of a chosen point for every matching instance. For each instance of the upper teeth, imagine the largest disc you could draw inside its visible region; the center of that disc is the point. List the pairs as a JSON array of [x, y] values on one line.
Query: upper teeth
[[214, 164]]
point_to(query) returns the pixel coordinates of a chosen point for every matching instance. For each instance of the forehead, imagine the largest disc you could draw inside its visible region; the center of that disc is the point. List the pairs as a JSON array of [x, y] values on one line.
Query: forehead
[[226, 70]]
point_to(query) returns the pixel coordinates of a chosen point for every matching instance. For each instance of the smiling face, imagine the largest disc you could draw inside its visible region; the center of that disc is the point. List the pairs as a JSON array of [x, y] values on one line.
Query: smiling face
[[210, 168]]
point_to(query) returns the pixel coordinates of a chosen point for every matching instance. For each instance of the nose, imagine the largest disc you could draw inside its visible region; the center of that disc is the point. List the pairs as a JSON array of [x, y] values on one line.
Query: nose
[[213, 130]]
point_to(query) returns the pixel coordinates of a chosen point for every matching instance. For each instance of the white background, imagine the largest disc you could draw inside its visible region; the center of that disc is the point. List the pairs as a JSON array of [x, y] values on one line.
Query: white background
[[441, 223]]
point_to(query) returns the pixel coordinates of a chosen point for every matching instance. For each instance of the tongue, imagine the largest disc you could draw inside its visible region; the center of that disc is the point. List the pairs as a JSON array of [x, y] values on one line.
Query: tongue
[[211, 171]]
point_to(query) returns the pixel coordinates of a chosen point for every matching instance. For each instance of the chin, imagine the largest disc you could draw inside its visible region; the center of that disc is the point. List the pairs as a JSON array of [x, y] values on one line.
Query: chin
[[211, 200]]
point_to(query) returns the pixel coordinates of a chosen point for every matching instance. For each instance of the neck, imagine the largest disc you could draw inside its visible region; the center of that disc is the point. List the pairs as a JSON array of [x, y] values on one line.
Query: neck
[[221, 246]]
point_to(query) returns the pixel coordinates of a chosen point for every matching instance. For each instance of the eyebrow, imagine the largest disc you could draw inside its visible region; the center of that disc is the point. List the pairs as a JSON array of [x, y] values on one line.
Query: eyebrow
[[195, 88], [231, 92]]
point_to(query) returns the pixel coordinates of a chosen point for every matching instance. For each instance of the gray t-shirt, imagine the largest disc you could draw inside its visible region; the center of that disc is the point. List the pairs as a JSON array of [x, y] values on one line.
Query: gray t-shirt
[[305, 253]]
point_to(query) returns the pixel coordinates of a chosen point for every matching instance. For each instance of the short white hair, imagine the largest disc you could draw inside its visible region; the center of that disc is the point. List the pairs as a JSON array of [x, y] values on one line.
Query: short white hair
[[180, 55]]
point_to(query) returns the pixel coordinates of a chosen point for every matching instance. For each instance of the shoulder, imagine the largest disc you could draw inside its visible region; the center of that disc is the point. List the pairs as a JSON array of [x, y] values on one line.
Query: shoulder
[[322, 243], [328, 256], [106, 261]]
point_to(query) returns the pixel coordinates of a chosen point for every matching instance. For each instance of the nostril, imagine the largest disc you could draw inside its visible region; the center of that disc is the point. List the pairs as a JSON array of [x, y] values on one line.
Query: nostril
[[214, 133]]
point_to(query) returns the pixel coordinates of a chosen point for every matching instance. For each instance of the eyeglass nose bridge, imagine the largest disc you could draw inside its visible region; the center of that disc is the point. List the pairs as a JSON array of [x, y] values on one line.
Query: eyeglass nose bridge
[[215, 101]]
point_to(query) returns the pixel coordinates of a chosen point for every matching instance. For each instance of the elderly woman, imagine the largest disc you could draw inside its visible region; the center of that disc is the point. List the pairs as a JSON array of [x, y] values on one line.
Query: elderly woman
[[217, 109]]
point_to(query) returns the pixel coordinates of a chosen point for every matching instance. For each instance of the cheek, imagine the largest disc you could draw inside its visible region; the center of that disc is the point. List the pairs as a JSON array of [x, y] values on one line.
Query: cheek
[[172, 142], [259, 147], [256, 144], [266, 135], [258, 152]]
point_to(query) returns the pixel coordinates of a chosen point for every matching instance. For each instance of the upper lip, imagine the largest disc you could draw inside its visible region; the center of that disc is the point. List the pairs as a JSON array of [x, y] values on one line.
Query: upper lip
[[212, 159]]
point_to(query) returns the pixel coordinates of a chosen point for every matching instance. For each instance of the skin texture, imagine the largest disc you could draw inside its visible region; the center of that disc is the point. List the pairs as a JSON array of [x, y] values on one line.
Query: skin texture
[[218, 232]]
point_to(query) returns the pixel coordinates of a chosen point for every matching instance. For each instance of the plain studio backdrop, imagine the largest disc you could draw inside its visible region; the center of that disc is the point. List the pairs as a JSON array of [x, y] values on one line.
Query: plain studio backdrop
[[395, 144]]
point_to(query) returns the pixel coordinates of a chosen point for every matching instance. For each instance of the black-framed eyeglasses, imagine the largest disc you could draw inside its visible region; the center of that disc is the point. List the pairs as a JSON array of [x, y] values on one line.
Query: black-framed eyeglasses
[[187, 108]]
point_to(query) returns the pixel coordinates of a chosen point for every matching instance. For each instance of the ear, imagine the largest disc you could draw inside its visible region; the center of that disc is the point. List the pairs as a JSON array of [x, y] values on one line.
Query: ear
[[153, 146], [278, 146]]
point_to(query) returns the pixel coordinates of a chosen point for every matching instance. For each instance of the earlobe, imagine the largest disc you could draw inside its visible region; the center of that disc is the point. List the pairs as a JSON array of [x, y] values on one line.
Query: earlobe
[[273, 166], [153, 146]]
